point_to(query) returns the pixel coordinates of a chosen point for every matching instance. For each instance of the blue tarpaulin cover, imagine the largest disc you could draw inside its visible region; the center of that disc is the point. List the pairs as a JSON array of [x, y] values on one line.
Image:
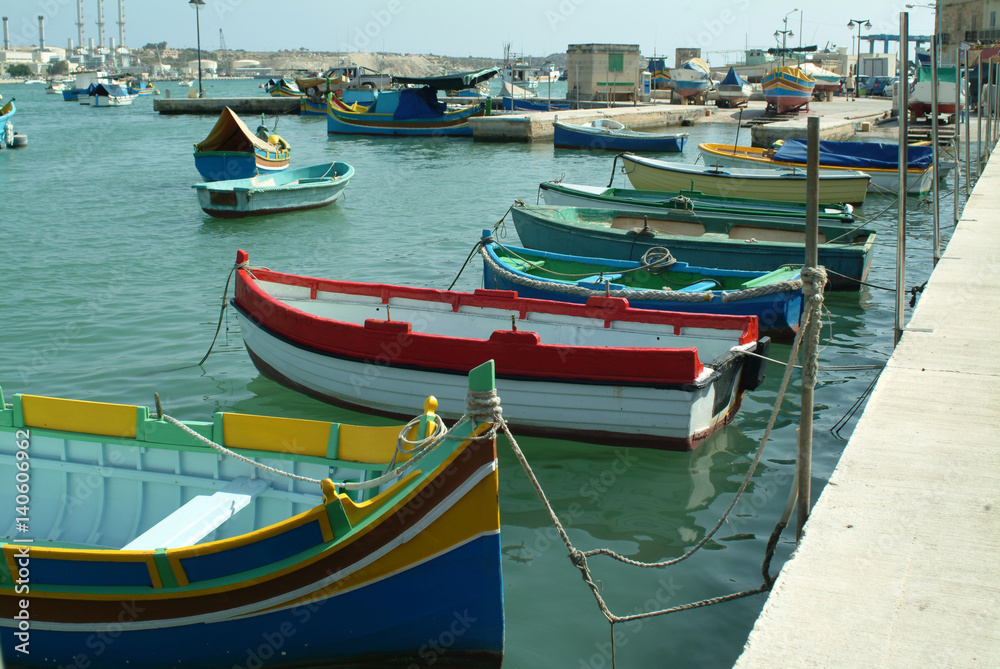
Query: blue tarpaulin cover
[[857, 155], [732, 79], [418, 103]]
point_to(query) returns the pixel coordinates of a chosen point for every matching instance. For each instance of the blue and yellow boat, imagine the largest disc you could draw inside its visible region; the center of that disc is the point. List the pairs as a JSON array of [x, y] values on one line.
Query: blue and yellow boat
[[231, 151], [131, 542]]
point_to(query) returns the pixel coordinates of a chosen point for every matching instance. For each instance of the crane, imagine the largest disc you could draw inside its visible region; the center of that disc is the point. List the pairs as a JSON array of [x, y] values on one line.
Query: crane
[[222, 50]]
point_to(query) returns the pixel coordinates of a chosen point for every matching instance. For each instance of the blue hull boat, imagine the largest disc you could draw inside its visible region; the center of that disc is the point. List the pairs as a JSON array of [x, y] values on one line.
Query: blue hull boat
[[656, 282], [232, 151], [607, 134]]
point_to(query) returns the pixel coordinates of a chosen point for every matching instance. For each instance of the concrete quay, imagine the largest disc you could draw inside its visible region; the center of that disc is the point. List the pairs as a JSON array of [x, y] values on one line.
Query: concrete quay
[[537, 126], [899, 565], [264, 104]]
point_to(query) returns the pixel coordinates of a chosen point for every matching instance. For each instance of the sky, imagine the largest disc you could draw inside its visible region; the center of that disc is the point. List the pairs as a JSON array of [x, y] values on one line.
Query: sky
[[722, 28]]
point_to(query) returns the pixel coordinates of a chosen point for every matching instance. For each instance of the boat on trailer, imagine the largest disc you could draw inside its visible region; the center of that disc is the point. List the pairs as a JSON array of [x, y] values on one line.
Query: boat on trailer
[[149, 548], [598, 372], [699, 239], [302, 188]]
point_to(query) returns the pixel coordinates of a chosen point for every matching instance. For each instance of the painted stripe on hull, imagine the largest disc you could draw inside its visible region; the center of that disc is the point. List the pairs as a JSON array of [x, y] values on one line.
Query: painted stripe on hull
[[444, 595], [674, 419]]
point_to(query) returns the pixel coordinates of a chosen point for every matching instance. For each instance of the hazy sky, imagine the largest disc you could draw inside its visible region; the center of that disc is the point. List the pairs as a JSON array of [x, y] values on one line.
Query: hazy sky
[[466, 27]]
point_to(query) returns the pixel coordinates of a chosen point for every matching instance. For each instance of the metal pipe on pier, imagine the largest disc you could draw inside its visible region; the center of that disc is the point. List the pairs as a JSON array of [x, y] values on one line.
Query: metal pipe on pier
[[904, 105], [958, 131], [935, 151], [979, 117]]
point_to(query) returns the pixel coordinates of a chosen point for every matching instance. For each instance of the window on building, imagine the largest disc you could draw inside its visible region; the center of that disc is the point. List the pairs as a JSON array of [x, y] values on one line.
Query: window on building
[[993, 19], [616, 62]]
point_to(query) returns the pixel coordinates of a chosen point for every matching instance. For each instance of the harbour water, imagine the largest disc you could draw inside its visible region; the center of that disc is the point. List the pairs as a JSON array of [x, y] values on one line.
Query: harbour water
[[113, 277]]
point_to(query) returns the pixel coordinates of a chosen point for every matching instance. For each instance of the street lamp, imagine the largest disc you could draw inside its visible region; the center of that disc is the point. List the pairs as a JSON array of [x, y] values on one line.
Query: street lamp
[[785, 34], [197, 5], [868, 26]]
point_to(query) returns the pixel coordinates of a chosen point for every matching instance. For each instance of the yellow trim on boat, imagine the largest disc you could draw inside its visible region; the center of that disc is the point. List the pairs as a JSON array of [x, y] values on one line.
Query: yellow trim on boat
[[51, 413], [280, 435], [369, 445]]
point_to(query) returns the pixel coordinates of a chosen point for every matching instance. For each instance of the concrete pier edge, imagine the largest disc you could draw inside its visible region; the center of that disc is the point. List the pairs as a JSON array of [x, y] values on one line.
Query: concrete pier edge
[[899, 565]]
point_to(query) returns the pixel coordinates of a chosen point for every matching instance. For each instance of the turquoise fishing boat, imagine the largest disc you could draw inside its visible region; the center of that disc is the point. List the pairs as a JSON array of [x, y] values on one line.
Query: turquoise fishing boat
[[231, 151], [656, 281], [292, 190], [411, 111], [7, 111], [757, 244], [246, 540]]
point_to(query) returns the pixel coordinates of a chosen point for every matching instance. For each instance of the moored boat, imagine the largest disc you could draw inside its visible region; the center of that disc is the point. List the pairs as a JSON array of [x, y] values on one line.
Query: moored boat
[[412, 111], [656, 281], [291, 190], [7, 133], [877, 159], [639, 377], [699, 239], [231, 151], [323, 545], [608, 134], [921, 95], [110, 95], [782, 184], [787, 89], [599, 197], [733, 91]]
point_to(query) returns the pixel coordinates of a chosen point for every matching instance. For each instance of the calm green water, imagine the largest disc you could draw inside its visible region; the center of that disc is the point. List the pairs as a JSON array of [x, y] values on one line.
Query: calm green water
[[113, 278]]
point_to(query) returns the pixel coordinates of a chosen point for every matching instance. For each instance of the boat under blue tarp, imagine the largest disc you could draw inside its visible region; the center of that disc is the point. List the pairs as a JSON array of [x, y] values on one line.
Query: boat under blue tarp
[[856, 155], [417, 103], [108, 90], [733, 78]]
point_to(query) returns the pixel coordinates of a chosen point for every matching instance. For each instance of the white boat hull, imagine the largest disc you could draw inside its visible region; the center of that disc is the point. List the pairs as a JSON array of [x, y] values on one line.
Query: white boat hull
[[112, 101], [559, 407]]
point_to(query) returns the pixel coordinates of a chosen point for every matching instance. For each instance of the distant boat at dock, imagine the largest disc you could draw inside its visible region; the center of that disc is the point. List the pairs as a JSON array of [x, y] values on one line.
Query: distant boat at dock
[[608, 134], [692, 80]]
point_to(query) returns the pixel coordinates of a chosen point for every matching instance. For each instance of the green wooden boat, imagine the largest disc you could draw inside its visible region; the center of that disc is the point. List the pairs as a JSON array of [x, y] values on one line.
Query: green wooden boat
[[577, 195], [706, 240]]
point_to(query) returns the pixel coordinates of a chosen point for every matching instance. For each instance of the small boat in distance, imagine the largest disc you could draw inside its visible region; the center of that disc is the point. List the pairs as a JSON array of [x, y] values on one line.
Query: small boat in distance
[[785, 184], [191, 551], [733, 91], [787, 89], [608, 134], [231, 151], [600, 373], [110, 95], [291, 190]]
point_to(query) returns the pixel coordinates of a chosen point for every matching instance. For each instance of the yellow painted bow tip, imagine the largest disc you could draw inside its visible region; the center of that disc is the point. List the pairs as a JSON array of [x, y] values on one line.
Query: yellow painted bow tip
[[430, 404], [329, 490]]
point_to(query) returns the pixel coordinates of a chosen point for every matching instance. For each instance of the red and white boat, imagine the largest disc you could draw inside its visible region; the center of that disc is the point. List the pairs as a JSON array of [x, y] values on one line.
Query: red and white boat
[[600, 372]]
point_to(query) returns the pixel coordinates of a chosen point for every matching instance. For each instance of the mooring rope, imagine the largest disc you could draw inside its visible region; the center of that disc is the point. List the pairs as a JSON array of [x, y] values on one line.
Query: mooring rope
[[225, 293]]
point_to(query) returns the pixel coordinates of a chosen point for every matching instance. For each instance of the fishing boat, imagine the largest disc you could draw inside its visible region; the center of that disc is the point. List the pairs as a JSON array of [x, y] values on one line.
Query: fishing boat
[[877, 159], [600, 372], [140, 88], [692, 80], [282, 88], [185, 83], [110, 95], [411, 111], [733, 91], [7, 134], [519, 104], [598, 197], [292, 190], [231, 151], [921, 95], [827, 82], [147, 547], [608, 134], [656, 281], [704, 240], [81, 82], [786, 184], [55, 87], [787, 89]]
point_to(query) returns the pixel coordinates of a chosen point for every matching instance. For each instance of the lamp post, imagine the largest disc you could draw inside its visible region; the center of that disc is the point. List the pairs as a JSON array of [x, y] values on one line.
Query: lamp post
[[857, 68], [785, 34], [197, 5]]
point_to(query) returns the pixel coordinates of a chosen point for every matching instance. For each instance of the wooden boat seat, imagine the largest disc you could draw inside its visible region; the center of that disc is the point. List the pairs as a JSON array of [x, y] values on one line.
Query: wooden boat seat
[[701, 286], [685, 228], [201, 516]]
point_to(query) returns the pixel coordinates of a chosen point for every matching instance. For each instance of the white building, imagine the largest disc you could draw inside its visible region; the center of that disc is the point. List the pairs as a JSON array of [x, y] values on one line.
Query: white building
[[209, 68]]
